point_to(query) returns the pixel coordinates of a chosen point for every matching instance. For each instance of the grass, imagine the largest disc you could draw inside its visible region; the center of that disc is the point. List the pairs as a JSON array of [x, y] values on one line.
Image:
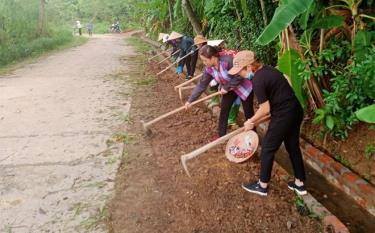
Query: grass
[[101, 216], [31, 57], [370, 151], [140, 45], [145, 82], [122, 137]]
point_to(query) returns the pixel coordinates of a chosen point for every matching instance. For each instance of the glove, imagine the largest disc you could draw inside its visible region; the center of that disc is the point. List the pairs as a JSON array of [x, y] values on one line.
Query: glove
[[179, 69], [213, 83]]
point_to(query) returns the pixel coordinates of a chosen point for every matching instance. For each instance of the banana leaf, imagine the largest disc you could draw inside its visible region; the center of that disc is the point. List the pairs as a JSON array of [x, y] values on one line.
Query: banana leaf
[[288, 64], [284, 15], [326, 22], [366, 114]]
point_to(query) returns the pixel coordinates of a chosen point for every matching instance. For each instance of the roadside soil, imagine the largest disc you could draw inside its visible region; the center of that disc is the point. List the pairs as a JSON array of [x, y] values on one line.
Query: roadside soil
[[353, 152], [152, 192]]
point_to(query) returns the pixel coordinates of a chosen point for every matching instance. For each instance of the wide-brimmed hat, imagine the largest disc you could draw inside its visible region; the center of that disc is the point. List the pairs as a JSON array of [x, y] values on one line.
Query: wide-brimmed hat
[[161, 36], [242, 146], [240, 60], [174, 35], [215, 42], [199, 39]]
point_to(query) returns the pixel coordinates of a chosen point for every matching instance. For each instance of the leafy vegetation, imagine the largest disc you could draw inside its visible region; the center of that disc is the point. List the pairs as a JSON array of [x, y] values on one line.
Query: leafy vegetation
[[325, 47]]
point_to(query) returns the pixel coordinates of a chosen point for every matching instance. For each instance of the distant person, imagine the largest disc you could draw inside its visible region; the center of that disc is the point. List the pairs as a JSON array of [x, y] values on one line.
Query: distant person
[[79, 26], [90, 28], [117, 26], [186, 46]]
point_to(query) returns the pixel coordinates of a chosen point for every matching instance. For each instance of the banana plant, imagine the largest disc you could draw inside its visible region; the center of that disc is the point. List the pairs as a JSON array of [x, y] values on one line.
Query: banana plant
[[283, 17], [352, 6], [289, 64]]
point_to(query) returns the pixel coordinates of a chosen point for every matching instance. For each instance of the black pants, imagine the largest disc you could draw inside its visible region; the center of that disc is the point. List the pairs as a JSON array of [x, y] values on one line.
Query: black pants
[[190, 62], [284, 127], [226, 103]]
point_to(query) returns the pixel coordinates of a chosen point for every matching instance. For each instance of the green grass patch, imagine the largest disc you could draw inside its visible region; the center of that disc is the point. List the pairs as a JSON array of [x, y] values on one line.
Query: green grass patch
[[12, 56], [145, 82], [139, 44]]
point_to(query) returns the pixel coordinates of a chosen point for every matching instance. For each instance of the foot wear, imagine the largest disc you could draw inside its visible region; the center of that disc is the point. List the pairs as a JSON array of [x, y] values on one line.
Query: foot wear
[[255, 188], [298, 189]]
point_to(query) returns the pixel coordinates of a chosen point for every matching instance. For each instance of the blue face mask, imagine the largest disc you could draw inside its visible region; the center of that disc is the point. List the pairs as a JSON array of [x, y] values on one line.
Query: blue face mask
[[249, 75]]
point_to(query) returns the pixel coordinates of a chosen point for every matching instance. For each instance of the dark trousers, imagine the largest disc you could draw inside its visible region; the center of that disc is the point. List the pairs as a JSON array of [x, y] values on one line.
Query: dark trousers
[[190, 62], [285, 128], [226, 103]]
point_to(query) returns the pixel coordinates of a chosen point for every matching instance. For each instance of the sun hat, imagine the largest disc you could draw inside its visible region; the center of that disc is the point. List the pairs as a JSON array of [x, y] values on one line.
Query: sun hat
[[240, 60], [199, 39], [242, 146], [161, 36], [215, 42], [174, 35]]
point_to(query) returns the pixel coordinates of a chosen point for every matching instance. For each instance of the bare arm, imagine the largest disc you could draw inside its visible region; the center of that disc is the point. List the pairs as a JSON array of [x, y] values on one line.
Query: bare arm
[[263, 114]]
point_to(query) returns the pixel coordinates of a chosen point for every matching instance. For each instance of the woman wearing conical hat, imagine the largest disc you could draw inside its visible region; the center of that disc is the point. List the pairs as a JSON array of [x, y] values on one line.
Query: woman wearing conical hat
[[186, 46]]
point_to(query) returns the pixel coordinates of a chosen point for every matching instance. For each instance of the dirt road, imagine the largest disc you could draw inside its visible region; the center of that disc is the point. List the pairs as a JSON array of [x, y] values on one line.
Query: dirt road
[[61, 138]]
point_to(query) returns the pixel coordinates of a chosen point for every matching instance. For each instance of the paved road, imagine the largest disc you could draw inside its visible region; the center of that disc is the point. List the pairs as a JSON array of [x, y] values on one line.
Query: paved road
[[56, 117]]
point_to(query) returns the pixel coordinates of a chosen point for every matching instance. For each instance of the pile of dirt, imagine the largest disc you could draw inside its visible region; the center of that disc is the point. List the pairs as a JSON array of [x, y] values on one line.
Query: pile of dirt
[[153, 194]]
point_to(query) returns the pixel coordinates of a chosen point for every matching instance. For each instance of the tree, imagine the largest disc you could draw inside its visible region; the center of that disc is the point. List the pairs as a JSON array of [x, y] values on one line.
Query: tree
[[186, 4], [42, 18]]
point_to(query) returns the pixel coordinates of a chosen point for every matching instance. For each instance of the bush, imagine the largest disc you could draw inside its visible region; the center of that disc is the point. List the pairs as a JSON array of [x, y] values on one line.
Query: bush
[[17, 50]]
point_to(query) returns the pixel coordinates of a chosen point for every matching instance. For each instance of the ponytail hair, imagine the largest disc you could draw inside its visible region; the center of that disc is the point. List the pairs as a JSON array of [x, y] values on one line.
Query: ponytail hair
[[208, 51]]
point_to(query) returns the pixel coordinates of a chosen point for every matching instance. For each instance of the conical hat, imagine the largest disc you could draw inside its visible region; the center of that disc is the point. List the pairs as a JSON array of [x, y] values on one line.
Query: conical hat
[[174, 35], [161, 36], [215, 42], [242, 146], [199, 39]]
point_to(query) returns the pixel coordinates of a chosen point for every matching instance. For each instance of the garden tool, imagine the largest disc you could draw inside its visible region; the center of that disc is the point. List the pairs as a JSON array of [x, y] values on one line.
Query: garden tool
[[188, 82], [201, 150], [157, 55], [177, 51], [178, 60], [147, 124], [184, 88]]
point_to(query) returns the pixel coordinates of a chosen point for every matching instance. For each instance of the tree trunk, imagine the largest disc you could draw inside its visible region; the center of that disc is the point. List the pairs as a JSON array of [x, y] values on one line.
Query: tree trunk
[[42, 18], [170, 13], [264, 14], [186, 4]]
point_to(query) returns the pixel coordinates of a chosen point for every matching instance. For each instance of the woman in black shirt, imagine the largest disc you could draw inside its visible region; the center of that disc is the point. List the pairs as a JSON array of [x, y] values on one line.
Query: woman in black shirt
[[277, 102]]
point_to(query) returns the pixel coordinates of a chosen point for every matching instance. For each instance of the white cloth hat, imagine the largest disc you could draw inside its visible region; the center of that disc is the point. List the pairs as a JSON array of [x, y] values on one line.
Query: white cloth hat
[[161, 36], [165, 38], [215, 42]]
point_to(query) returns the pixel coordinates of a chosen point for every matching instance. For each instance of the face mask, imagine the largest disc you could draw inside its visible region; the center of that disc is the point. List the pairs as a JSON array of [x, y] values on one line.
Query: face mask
[[249, 75]]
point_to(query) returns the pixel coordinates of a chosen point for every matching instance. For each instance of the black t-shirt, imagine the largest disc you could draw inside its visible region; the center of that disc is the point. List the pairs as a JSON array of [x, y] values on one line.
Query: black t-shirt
[[271, 85]]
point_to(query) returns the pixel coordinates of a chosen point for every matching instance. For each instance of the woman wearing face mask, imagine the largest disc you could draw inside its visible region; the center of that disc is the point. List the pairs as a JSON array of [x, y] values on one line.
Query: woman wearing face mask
[[278, 102], [217, 68]]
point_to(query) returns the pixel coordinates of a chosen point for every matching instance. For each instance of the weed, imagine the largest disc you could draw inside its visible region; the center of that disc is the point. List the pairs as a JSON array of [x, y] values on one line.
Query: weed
[[370, 151], [301, 206], [93, 221], [145, 82], [122, 137], [343, 160]]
